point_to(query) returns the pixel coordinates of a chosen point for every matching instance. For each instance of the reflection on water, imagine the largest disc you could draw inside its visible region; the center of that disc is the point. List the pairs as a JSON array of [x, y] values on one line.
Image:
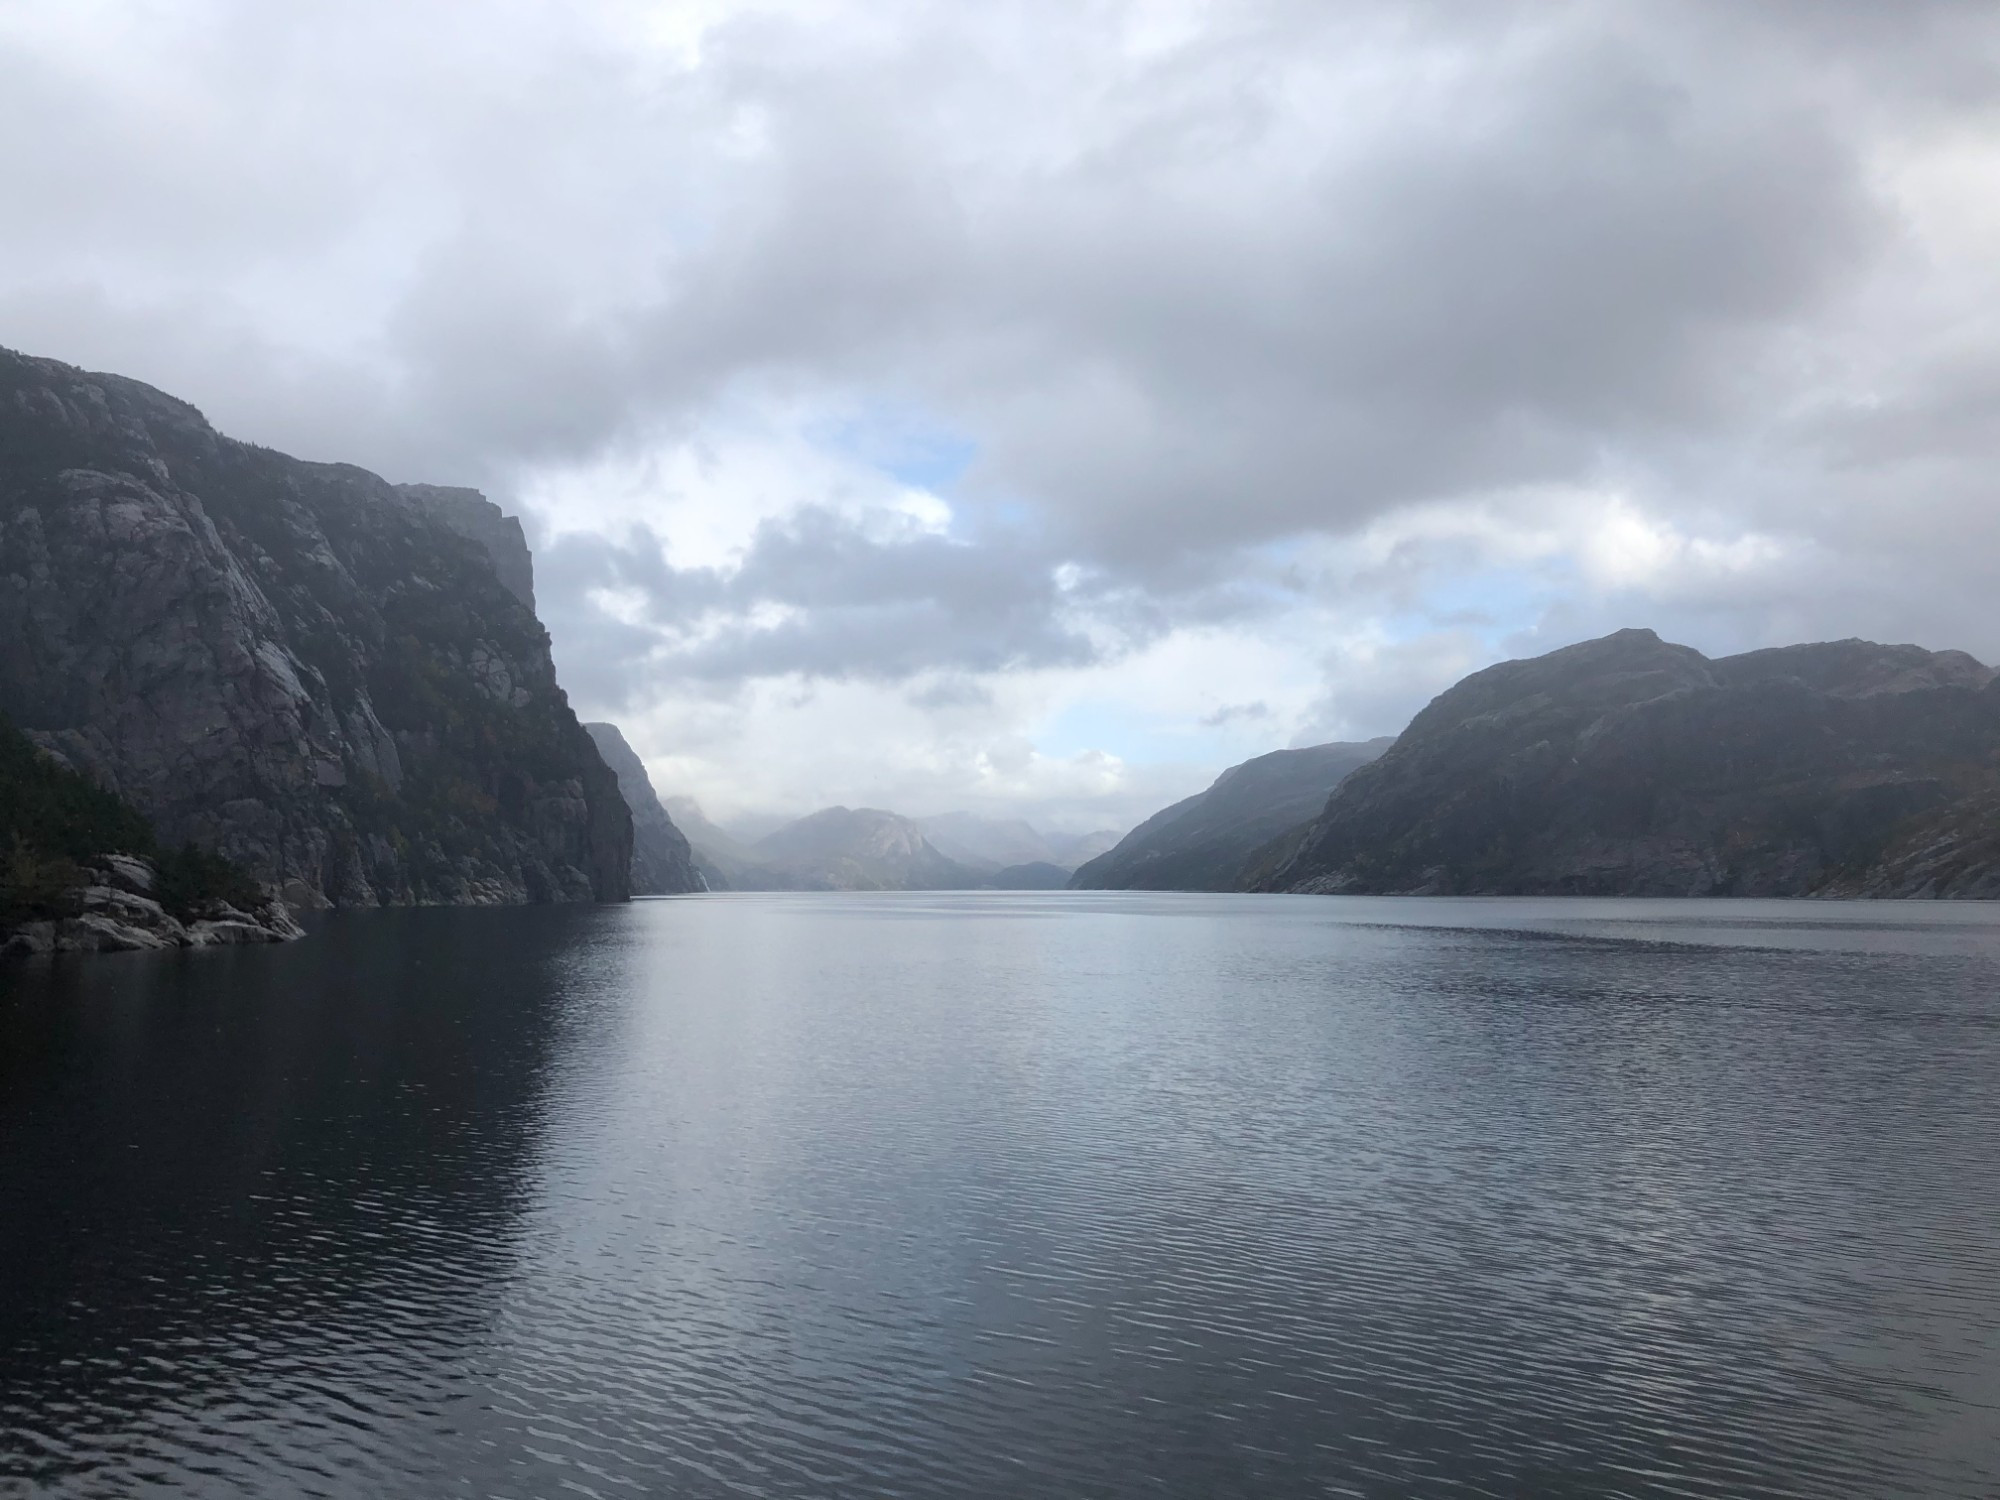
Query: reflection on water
[[1013, 1195]]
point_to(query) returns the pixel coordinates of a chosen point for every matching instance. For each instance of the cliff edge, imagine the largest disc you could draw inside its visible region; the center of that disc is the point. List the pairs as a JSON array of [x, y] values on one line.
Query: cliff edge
[[298, 665]]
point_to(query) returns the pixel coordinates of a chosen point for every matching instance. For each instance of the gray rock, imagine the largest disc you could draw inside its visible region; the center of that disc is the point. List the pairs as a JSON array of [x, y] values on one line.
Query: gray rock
[[662, 862], [111, 916], [29, 940], [473, 516], [316, 673]]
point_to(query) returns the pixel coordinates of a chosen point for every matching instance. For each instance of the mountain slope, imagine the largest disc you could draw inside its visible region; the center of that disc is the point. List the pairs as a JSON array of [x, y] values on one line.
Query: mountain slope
[[723, 859], [296, 664], [1203, 842], [1628, 766], [662, 864], [856, 849]]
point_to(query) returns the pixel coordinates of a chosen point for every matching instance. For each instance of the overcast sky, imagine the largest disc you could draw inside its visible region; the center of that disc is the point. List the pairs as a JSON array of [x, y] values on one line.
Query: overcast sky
[[1035, 407]]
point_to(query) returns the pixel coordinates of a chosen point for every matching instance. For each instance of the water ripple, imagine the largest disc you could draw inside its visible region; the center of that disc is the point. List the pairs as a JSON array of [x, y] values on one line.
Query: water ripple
[[923, 1196]]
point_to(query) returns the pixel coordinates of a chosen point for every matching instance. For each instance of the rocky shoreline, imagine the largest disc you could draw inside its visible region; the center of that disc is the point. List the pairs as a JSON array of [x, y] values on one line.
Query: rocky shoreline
[[116, 912]]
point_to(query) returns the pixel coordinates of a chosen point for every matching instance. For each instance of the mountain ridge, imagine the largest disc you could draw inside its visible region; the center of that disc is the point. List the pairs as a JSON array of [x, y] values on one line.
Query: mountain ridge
[[1628, 765], [1206, 842], [662, 861], [298, 665]]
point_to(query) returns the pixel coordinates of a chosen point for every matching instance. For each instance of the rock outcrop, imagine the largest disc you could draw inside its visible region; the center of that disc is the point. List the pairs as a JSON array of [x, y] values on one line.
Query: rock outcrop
[[478, 519], [1628, 766], [118, 910], [1214, 840], [297, 664], [662, 862]]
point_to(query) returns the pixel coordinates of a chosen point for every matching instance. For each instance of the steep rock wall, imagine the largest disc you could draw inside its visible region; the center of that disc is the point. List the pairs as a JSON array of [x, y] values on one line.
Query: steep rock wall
[[297, 664], [662, 862]]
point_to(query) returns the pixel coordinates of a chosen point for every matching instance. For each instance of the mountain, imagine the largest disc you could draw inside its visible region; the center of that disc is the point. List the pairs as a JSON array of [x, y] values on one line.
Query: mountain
[[991, 843], [478, 519], [994, 843], [1207, 842], [984, 843], [80, 872], [1628, 766], [1072, 850], [662, 863], [310, 670], [856, 849], [721, 857], [1038, 875]]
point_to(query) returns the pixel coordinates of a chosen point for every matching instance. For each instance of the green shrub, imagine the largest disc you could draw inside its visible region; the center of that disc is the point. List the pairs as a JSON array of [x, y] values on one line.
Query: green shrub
[[57, 812], [34, 886], [193, 882], [53, 821]]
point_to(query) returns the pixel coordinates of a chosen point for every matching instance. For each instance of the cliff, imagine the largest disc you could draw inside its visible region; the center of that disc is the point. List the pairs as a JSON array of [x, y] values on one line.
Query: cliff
[[1628, 766], [80, 871], [478, 519], [1209, 842], [662, 862], [296, 664]]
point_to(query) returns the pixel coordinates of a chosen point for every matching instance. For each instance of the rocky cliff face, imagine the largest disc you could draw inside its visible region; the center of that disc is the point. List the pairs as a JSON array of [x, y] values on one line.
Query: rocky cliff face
[[297, 664], [662, 862], [1207, 842], [1628, 766], [478, 519]]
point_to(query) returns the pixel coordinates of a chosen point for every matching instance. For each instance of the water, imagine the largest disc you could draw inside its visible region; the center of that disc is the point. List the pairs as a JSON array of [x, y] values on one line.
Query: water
[[1013, 1195]]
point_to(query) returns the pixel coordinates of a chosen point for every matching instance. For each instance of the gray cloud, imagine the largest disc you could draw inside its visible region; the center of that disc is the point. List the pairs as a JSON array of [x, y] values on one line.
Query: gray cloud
[[1195, 305], [818, 596]]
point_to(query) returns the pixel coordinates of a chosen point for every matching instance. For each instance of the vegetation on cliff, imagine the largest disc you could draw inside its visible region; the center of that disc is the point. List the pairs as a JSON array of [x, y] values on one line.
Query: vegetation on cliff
[[54, 824], [300, 665]]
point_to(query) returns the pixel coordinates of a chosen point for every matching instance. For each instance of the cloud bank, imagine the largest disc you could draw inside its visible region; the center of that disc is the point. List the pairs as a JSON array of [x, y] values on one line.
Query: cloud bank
[[1038, 406]]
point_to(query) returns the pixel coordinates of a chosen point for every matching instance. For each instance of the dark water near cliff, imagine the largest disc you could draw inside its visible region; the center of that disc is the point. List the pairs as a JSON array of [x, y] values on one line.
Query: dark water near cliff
[[1014, 1195]]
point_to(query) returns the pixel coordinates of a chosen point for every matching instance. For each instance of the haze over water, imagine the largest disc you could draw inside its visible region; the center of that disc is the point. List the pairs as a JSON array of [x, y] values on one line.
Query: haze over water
[[1013, 1195]]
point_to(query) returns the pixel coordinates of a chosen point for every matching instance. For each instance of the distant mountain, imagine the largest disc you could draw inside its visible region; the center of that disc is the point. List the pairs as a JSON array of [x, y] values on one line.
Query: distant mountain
[[1077, 849], [994, 843], [662, 863], [857, 849], [1207, 842], [1036, 876], [985, 843], [723, 859], [1628, 766]]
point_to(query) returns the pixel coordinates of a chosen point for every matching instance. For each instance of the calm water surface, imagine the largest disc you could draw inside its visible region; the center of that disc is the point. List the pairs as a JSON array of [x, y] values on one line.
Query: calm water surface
[[1013, 1195]]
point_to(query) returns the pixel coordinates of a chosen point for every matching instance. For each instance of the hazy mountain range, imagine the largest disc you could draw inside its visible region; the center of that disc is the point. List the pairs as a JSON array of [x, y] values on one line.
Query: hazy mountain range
[[840, 848], [341, 685]]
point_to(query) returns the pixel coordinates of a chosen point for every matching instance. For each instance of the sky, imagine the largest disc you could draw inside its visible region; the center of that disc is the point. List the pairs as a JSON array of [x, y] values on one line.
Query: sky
[[1034, 408]]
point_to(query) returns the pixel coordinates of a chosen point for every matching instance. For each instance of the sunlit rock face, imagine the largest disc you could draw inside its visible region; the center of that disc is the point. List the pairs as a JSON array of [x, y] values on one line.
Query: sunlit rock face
[[298, 664], [1629, 766], [662, 862]]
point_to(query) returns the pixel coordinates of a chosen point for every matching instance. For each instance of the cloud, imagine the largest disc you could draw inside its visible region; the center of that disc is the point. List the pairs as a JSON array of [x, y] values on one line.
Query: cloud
[[1236, 712], [997, 375], [823, 595]]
